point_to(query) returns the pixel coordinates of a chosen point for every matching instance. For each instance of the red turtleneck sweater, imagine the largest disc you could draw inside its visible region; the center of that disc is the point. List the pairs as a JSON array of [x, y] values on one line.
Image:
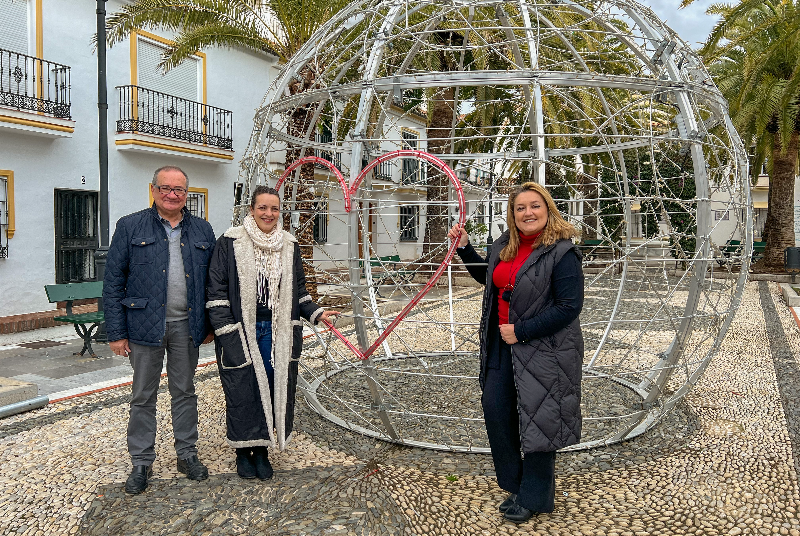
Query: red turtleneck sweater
[[505, 274]]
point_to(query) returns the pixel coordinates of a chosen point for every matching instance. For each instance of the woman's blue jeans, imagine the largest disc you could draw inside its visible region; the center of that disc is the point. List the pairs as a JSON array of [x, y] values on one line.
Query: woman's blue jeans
[[264, 339]]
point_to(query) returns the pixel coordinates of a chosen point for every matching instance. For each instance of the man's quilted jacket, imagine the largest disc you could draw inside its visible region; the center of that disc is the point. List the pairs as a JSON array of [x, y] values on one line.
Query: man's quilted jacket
[[135, 283]]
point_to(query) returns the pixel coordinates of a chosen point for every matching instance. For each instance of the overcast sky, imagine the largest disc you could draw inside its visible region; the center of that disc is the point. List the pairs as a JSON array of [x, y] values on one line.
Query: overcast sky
[[691, 23]]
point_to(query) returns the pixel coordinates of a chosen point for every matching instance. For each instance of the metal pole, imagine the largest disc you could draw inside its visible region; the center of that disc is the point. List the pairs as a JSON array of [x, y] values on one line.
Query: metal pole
[[25, 405], [102, 113], [489, 238]]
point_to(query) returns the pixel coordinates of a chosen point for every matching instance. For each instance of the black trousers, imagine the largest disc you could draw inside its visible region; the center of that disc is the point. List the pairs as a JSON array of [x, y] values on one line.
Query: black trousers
[[532, 478]]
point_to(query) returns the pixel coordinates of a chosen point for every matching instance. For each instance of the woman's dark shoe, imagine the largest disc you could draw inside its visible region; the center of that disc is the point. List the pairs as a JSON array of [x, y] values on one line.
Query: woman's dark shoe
[[244, 464], [137, 481], [261, 461], [505, 505], [518, 514]]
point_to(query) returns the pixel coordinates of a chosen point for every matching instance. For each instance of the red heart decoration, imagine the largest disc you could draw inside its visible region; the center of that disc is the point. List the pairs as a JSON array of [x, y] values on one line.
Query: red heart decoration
[[349, 192]]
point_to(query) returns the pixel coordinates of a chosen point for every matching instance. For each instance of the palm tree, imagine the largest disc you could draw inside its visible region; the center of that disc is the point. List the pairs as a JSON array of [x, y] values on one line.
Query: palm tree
[[498, 121], [754, 57], [281, 27], [438, 132]]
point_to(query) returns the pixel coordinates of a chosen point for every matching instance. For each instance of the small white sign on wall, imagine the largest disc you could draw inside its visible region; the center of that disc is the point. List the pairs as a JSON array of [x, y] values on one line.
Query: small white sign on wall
[[797, 225]]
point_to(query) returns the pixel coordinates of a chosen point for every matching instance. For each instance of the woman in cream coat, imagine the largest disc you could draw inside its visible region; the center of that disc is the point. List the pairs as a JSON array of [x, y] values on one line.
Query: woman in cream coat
[[256, 296]]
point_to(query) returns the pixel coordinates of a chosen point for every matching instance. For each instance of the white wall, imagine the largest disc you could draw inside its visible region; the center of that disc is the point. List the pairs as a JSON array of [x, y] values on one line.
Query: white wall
[[236, 81]]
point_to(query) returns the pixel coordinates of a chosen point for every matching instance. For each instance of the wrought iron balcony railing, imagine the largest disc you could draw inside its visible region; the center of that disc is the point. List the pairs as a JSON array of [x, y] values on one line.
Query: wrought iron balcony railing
[[414, 172], [382, 171], [334, 158], [146, 111], [34, 84]]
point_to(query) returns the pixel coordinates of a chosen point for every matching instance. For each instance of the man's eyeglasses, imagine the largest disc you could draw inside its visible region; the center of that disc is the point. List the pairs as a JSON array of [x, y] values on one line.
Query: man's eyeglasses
[[165, 190]]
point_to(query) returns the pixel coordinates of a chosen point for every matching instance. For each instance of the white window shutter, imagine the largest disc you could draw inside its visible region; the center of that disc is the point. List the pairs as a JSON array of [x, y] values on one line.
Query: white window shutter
[[182, 81], [14, 25]]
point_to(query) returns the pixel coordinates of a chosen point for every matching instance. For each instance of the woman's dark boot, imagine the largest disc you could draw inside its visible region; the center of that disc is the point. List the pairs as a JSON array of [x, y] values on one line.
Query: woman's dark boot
[[261, 461], [244, 464], [508, 503]]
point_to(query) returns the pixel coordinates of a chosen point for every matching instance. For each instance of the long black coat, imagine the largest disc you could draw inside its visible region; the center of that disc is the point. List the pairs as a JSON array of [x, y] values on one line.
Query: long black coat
[[547, 370], [252, 418]]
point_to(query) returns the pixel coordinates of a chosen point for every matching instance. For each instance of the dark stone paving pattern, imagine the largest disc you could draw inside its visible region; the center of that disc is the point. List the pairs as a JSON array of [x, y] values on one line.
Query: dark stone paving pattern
[[330, 500], [786, 370]]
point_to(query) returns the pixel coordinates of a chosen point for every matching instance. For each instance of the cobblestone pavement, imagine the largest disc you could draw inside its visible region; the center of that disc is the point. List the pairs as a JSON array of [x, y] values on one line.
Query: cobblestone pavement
[[722, 463]]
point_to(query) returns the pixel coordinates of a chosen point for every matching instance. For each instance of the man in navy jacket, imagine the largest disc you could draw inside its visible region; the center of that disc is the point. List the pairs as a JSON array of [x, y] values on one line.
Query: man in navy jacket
[[154, 301]]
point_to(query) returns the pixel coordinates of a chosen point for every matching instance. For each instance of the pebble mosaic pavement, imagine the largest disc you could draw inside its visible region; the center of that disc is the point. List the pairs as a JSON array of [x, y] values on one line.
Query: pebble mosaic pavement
[[724, 462]]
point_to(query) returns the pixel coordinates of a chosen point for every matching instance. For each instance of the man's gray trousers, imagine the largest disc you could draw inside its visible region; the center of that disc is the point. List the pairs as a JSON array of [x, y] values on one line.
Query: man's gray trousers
[[147, 362]]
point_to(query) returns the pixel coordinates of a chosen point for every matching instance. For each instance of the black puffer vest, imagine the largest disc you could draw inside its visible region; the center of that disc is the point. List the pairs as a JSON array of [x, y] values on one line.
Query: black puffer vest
[[547, 371]]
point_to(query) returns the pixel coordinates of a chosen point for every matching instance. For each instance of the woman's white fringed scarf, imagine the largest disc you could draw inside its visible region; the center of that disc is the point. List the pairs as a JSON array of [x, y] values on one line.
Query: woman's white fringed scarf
[[267, 249]]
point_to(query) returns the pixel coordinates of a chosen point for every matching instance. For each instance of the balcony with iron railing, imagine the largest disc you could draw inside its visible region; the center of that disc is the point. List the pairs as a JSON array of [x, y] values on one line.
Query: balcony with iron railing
[[33, 84], [382, 171], [332, 157], [35, 94], [152, 113], [414, 172]]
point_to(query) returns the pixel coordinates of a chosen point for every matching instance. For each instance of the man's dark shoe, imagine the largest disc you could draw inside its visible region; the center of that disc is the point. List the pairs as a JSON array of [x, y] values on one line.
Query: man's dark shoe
[[261, 461], [137, 481], [505, 505], [518, 514], [193, 468], [244, 464]]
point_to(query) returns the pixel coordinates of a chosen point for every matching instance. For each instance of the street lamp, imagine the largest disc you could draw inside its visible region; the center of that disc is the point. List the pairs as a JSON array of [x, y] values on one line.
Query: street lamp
[[102, 108]]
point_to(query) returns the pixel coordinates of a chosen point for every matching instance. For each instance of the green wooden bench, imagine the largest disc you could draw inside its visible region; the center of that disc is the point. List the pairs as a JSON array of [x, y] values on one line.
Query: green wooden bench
[[731, 247], [734, 247], [758, 250], [69, 292], [393, 276], [597, 249]]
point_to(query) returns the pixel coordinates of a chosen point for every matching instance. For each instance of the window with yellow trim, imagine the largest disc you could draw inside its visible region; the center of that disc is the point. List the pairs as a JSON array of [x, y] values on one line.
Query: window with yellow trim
[[409, 223], [412, 171], [320, 231], [15, 36], [196, 201], [182, 81], [18, 38], [6, 210], [185, 81]]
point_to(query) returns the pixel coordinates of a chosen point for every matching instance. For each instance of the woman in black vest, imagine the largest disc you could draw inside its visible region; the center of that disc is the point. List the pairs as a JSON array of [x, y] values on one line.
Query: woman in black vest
[[256, 296], [531, 349]]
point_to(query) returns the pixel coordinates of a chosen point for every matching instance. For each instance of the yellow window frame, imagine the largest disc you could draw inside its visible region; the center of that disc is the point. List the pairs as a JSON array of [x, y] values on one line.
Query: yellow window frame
[[192, 190], [9, 175]]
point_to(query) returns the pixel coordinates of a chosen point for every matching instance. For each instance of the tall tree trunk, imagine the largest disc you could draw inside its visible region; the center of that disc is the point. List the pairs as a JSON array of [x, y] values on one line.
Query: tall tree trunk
[[780, 210], [304, 198], [438, 133]]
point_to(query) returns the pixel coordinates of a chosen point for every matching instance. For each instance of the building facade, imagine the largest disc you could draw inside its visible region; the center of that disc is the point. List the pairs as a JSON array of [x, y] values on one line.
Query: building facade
[[198, 117]]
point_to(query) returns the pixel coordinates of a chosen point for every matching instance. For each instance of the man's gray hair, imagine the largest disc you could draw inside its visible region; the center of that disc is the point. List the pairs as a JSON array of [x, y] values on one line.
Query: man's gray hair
[[169, 168]]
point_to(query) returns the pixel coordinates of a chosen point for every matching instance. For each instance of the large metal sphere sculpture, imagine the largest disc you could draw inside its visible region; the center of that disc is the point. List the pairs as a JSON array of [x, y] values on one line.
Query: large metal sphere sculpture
[[401, 117]]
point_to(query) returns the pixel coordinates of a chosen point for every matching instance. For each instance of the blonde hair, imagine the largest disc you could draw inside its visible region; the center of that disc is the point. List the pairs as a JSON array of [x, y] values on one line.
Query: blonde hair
[[556, 228]]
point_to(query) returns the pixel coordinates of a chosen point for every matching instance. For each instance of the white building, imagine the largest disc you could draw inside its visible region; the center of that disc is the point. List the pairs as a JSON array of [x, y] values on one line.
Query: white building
[[198, 117]]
